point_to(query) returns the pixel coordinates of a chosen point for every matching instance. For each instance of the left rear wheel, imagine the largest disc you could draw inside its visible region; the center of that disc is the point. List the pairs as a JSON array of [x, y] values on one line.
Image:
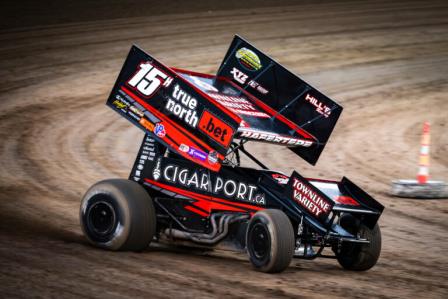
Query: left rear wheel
[[118, 214]]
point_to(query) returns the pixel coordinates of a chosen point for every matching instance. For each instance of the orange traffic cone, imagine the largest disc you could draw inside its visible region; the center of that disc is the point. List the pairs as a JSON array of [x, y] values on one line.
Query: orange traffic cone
[[423, 170], [422, 187]]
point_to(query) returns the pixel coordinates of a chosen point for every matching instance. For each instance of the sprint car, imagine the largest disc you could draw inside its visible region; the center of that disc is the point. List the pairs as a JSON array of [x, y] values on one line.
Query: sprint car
[[189, 185]]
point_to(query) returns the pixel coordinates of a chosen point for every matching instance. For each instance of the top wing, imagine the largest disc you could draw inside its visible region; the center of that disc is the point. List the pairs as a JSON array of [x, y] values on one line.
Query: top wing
[[287, 99], [259, 121], [173, 111]]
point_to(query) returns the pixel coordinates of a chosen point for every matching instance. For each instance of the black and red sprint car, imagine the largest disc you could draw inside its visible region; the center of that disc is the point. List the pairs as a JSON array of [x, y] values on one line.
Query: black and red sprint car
[[188, 186]]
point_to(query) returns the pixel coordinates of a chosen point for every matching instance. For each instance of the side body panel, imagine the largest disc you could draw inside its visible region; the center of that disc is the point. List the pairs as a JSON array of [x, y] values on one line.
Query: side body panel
[[193, 193]]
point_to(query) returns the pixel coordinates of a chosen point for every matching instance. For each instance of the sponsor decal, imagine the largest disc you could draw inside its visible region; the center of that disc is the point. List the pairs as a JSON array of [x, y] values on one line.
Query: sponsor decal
[[197, 154], [212, 157], [275, 138], [215, 128], [148, 79], [159, 130], [184, 148], [248, 59], [260, 198], [148, 149], [136, 111], [147, 124], [258, 87], [120, 103], [304, 195], [183, 105], [136, 117], [239, 105], [280, 178], [156, 171], [320, 107], [232, 189], [239, 76]]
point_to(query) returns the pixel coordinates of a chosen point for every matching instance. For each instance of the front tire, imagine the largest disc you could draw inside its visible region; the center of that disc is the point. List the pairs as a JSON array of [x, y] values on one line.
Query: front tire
[[270, 241], [118, 214]]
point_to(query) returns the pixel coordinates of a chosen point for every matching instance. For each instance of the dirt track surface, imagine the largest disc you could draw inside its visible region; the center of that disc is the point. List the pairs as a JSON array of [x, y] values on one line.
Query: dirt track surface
[[386, 63]]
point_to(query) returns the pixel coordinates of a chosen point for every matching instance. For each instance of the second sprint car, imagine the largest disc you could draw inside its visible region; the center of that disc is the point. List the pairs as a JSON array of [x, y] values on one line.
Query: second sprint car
[[188, 185]]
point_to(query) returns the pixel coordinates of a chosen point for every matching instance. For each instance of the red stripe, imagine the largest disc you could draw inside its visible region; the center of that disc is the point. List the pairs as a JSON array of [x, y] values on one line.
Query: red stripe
[[210, 206], [237, 204], [197, 211], [345, 200]]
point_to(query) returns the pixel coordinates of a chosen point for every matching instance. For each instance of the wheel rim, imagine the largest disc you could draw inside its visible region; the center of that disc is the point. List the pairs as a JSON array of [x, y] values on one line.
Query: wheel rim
[[101, 218], [259, 242]]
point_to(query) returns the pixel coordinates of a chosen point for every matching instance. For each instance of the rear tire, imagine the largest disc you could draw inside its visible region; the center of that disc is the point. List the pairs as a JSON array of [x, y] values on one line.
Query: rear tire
[[270, 241], [360, 257], [118, 214]]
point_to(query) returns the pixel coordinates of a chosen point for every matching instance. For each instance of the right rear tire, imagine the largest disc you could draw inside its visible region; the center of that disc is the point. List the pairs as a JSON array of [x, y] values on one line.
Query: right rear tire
[[359, 257], [118, 214]]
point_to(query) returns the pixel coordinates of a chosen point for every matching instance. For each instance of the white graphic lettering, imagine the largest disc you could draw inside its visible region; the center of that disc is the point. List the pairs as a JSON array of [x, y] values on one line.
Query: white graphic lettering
[[201, 181], [309, 199], [183, 106], [320, 107], [148, 79], [274, 138], [239, 76]]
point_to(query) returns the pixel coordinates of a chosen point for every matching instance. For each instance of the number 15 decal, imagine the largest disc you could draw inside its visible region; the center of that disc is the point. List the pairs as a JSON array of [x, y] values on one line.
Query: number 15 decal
[[148, 79]]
